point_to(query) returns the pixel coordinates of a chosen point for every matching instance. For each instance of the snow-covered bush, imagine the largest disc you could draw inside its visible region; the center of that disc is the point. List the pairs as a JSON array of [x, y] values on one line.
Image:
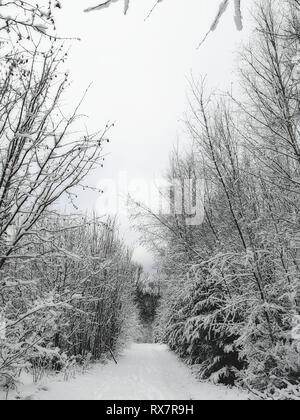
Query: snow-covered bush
[[73, 301]]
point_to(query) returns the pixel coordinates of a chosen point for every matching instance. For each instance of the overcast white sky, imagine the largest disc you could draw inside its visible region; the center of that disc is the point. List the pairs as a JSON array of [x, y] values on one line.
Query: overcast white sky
[[139, 71]]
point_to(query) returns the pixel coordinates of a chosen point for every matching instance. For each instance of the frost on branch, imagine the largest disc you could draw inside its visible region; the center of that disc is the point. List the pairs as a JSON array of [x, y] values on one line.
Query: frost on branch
[[238, 18], [222, 9], [107, 4], [24, 18], [238, 15]]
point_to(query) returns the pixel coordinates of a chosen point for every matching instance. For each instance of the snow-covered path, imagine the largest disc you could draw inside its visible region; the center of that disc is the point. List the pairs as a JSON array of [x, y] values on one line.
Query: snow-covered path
[[144, 372]]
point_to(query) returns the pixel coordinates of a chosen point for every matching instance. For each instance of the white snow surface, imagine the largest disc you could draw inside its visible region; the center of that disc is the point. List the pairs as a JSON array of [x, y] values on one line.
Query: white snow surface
[[143, 372]]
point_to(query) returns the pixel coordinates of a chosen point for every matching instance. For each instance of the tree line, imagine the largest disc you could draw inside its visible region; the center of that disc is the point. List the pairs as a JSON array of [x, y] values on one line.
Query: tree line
[[231, 297], [66, 279]]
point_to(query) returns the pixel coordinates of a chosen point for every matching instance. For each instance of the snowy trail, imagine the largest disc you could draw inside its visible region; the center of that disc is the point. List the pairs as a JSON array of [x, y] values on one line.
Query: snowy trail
[[144, 372]]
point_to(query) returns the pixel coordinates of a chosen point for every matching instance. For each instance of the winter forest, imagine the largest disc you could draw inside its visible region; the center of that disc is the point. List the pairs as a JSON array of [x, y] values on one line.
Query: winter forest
[[218, 314]]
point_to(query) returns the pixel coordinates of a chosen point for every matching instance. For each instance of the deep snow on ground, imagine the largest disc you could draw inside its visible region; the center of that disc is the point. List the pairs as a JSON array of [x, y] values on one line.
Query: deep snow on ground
[[144, 372]]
